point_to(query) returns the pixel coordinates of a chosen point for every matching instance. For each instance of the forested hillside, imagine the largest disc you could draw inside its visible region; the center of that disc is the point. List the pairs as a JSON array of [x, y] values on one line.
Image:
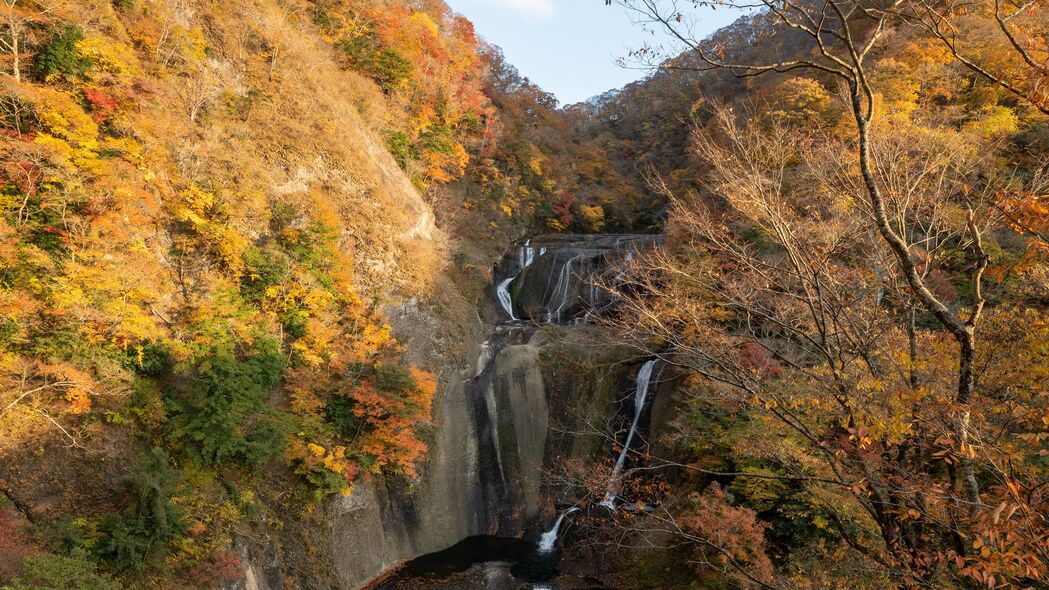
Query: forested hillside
[[255, 255], [205, 207], [853, 292]]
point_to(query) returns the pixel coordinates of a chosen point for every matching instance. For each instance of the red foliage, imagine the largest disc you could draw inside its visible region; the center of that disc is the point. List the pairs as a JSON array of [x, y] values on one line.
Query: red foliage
[[222, 567], [23, 174], [563, 208], [730, 540], [941, 285], [755, 357], [464, 29], [102, 106]]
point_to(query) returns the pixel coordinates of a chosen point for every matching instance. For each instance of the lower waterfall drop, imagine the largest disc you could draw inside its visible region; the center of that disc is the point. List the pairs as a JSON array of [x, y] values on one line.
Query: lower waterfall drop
[[526, 255], [562, 292], [643, 377], [549, 538], [503, 293]]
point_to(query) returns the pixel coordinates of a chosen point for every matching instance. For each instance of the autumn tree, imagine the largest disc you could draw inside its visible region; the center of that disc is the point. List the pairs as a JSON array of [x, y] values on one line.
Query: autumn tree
[[774, 288], [842, 37], [17, 18], [840, 42]]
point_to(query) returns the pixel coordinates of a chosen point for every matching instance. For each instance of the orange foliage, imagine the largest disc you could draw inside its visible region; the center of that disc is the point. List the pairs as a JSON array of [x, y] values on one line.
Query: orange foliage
[[728, 539], [394, 420], [1028, 215], [440, 96]]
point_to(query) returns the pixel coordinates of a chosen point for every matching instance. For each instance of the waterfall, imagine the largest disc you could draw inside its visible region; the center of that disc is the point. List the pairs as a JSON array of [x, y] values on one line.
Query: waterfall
[[549, 538], [596, 290], [643, 378], [526, 254], [503, 292], [562, 292], [591, 301], [525, 257]]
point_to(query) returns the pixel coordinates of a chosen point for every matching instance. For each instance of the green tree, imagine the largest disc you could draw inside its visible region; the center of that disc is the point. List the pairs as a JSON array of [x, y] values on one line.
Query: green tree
[[151, 522], [56, 572], [60, 57], [220, 413]]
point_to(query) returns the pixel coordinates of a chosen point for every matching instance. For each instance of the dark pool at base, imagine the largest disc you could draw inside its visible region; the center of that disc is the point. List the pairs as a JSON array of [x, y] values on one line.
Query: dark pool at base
[[486, 563], [527, 563]]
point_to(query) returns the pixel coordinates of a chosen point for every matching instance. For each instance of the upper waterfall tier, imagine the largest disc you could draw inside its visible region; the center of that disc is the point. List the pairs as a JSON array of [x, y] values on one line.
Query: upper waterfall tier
[[564, 278]]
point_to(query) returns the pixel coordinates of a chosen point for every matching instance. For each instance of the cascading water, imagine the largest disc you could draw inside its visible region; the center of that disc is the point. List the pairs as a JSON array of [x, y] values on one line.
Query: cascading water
[[562, 292], [644, 376], [549, 538], [526, 255], [594, 298], [492, 430], [503, 292]]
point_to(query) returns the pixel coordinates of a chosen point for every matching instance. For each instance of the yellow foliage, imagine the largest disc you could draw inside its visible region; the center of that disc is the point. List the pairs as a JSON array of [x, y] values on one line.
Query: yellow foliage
[[555, 224], [424, 118], [129, 149], [799, 101], [535, 164], [442, 167], [63, 118], [206, 213], [79, 400], [423, 20], [995, 121], [114, 63], [592, 217]]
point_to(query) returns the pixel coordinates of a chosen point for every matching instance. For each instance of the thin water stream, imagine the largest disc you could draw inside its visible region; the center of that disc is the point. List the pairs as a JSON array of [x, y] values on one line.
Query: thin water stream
[[644, 377]]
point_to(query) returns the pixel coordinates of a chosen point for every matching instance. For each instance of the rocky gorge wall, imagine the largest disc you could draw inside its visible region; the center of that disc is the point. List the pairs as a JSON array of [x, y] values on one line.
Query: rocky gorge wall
[[509, 396], [482, 474]]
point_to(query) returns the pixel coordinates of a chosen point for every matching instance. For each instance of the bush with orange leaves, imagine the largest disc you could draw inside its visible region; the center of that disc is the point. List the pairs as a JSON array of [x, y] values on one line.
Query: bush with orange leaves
[[729, 540], [394, 406]]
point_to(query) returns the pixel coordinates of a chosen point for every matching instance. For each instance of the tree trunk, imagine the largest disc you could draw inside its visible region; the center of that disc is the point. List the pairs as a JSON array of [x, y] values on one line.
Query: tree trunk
[[16, 67], [963, 333]]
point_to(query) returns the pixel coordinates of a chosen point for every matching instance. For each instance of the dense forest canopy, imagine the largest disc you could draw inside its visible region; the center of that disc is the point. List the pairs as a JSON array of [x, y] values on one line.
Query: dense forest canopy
[[855, 287]]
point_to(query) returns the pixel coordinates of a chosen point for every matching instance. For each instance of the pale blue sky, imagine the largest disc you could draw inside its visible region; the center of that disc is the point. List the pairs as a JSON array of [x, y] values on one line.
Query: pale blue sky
[[568, 47]]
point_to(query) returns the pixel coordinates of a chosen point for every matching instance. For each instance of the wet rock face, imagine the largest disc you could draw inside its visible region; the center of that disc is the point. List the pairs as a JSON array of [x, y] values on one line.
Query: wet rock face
[[563, 278], [510, 415], [482, 475]]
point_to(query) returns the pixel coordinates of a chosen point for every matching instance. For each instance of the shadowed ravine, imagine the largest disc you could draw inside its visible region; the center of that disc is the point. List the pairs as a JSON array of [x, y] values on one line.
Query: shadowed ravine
[[483, 488]]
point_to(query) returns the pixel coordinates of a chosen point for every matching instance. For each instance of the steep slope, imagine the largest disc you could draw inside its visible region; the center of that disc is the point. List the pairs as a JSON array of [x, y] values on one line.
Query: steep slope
[[202, 221]]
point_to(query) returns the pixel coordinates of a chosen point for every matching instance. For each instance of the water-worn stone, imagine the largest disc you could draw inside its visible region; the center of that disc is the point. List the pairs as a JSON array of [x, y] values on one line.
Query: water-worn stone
[[483, 474]]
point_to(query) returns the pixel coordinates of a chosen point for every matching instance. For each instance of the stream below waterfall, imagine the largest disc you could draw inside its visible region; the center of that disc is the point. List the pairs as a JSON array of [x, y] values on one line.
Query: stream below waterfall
[[556, 280]]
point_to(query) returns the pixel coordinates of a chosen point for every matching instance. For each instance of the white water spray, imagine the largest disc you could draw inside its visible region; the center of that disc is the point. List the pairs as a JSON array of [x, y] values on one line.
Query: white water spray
[[643, 377], [562, 292], [503, 292], [549, 538], [525, 257], [526, 254]]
